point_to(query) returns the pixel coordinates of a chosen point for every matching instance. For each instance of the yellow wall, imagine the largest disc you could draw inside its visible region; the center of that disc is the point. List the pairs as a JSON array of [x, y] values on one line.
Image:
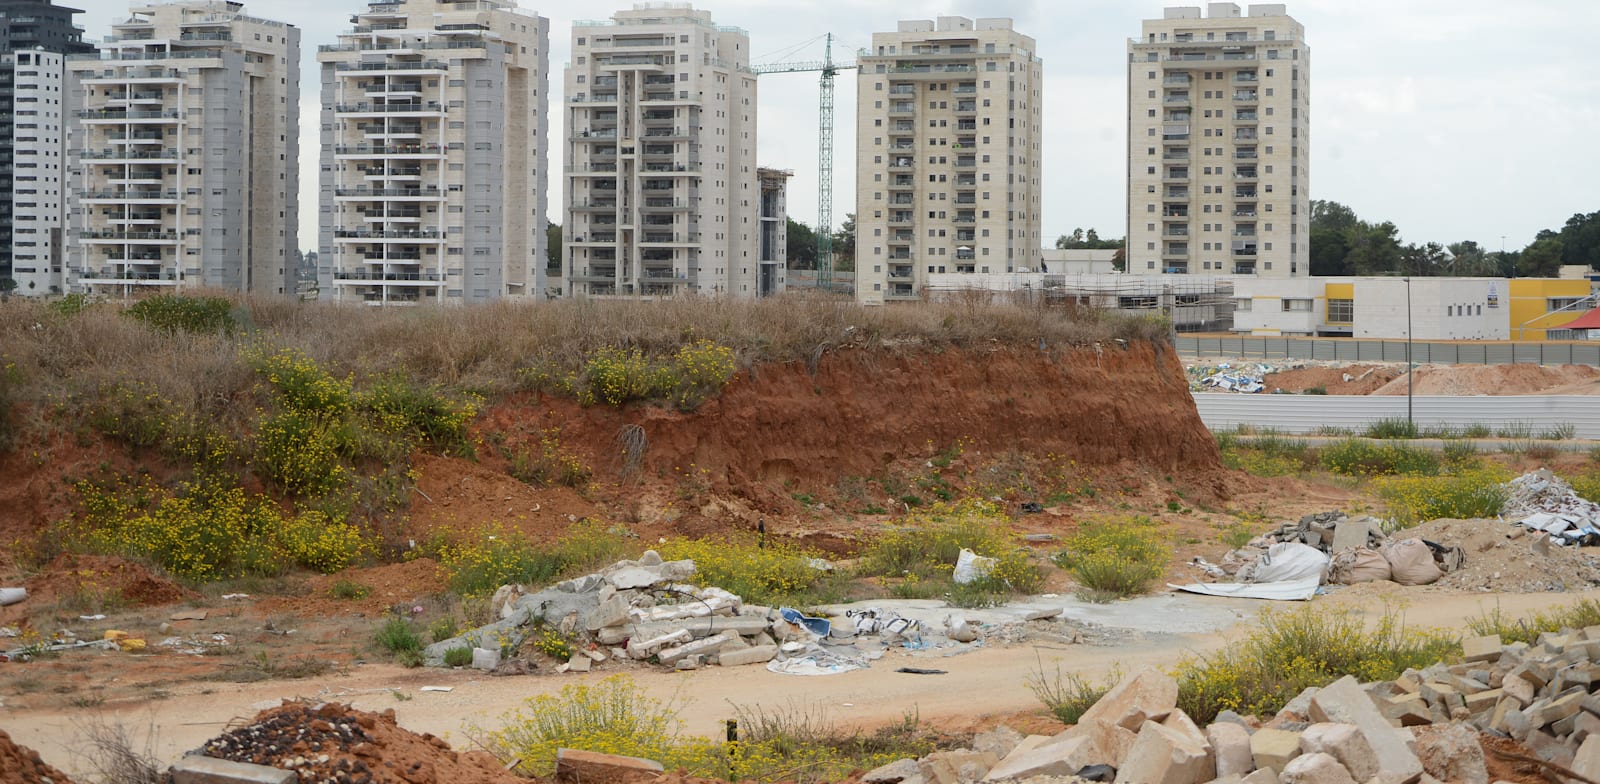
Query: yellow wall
[[1529, 305], [1338, 291]]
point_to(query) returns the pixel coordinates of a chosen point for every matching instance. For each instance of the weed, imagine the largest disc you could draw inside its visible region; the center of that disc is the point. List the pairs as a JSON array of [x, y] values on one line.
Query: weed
[[1319, 389], [552, 643], [444, 628], [302, 666], [349, 590], [1521, 430], [1114, 559], [1471, 494], [1069, 695], [1237, 535], [458, 657], [553, 465], [1334, 430], [1392, 427], [1442, 432], [110, 753], [397, 636], [1300, 648], [1358, 457], [927, 543], [1527, 629], [94, 700], [1460, 454], [1476, 430], [775, 574], [184, 313]]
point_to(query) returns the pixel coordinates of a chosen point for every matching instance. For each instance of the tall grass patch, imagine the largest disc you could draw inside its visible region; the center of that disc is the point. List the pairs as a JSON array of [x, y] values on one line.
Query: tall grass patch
[[1361, 457], [477, 562], [922, 548], [1265, 455], [1300, 648], [776, 573], [1392, 427], [1580, 615], [1117, 558]]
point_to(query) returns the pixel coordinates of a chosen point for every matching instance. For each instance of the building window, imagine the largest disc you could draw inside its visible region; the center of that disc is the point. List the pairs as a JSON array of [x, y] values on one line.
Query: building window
[[1297, 306], [1341, 311], [1242, 305]]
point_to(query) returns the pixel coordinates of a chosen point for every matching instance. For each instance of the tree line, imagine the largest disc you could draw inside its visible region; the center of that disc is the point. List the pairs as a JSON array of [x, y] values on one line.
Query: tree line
[[1344, 244]]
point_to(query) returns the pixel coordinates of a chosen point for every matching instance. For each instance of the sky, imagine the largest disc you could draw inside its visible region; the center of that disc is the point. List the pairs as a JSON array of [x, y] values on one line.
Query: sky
[[1459, 120]]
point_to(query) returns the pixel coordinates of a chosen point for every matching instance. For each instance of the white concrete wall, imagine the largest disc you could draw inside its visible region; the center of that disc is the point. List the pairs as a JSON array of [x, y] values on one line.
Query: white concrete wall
[[1441, 309], [1258, 305]]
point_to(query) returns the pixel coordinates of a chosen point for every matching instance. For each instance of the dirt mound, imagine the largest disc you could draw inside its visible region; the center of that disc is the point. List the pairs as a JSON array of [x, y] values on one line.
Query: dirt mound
[[102, 579], [383, 587], [334, 742], [1349, 380], [21, 765], [1500, 558], [1499, 380]]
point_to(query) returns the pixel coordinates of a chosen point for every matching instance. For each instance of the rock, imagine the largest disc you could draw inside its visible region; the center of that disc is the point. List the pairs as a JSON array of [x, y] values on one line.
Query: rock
[[1345, 743], [1143, 696], [1274, 748], [1111, 742], [632, 577], [905, 770], [1162, 755], [1262, 776], [1587, 761], [579, 663], [706, 646], [1481, 649], [574, 766], [1000, 741], [1344, 702], [611, 612], [650, 558], [755, 654], [1349, 534], [1316, 768], [957, 766], [1230, 747], [1097, 773], [1062, 758], [1451, 752], [1179, 722]]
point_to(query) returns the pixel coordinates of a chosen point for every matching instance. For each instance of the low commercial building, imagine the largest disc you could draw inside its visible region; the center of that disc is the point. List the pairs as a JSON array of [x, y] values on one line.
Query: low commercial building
[[1194, 303], [1423, 308], [1080, 261]]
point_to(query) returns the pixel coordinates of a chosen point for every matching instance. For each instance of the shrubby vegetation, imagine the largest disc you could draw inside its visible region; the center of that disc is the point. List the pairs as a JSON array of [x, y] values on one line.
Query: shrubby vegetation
[[1117, 558]]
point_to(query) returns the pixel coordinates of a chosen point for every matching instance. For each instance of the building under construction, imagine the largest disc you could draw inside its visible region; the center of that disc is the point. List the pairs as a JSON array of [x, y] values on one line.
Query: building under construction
[[1194, 303]]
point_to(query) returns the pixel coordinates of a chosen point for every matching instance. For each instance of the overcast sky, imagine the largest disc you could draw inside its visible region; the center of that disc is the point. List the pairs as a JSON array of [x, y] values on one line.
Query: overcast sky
[[1466, 119]]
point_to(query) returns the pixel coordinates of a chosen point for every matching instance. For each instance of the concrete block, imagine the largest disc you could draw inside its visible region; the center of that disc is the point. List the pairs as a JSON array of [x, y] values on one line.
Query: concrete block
[[957, 766], [1483, 700], [905, 770], [1111, 742], [1000, 741], [644, 647], [1350, 533], [1145, 695], [611, 612], [1262, 776], [1408, 710], [1274, 748], [574, 766], [707, 646], [1161, 755], [1179, 722], [1062, 758], [1569, 703], [1584, 725], [1315, 769], [195, 769], [579, 663], [1519, 689], [1343, 702], [1481, 649], [1549, 748], [485, 658], [1345, 743], [1451, 752], [1230, 747], [1587, 761], [755, 654]]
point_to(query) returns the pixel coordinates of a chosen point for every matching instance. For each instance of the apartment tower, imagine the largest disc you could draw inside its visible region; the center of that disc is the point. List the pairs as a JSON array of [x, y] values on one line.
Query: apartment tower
[[774, 233], [662, 190], [434, 154], [35, 36], [948, 128], [1219, 143]]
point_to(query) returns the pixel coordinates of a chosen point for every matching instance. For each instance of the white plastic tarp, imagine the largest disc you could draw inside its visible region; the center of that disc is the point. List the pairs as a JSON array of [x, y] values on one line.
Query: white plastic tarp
[[1287, 561], [1281, 591]]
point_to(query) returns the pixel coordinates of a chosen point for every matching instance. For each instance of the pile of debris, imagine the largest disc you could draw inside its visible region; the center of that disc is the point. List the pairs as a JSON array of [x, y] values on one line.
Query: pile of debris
[[1541, 501], [22, 765], [1247, 379]]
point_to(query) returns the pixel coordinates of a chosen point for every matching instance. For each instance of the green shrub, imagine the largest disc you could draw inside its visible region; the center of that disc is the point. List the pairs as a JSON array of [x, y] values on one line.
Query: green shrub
[[1515, 430], [1416, 499], [397, 636], [1358, 457], [1393, 427], [1300, 648], [315, 541], [1113, 559], [1476, 430], [928, 542], [201, 533], [70, 305], [458, 657], [1586, 485], [1460, 454], [1069, 695], [612, 716], [185, 313], [396, 406], [349, 590], [484, 559], [775, 574], [1527, 629], [443, 629], [10, 395], [553, 465], [302, 452]]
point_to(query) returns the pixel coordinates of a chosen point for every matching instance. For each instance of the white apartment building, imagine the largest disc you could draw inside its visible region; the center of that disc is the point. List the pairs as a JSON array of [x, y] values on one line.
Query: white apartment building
[[948, 130], [35, 179], [774, 231], [1219, 143], [434, 154], [185, 155], [662, 191]]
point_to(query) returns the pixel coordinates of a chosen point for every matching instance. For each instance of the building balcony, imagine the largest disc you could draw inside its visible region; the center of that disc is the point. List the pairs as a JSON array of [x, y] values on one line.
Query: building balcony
[[131, 196], [395, 66], [122, 156], [1243, 194], [901, 273], [1247, 251], [1245, 213], [369, 234], [406, 107], [1175, 175], [902, 164], [142, 237], [1244, 269], [389, 150], [966, 162], [92, 116]]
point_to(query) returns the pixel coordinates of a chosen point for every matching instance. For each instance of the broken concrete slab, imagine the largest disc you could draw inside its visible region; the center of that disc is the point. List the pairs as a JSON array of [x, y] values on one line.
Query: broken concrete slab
[[707, 646], [1000, 741], [611, 612], [1063, 758], [1318, 768], [1481, 649], [1451, 752], [197, 769], [1262, 776], [1587, 760], [754, 654], [1344, 702], [1145, 695], [957, 766], [579, 663], [485, 658], [1162, 755], [1274, 748], [1230, 747], [903, 770], [1345, 743], [575, 766]]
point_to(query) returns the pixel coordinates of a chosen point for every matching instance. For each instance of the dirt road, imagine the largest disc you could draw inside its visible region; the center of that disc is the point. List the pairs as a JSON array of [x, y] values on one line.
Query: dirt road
[[985, 682]]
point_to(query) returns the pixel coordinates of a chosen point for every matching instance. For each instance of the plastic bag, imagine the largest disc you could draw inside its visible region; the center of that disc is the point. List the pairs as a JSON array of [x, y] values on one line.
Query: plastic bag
[[971, 567], [1359, 565], [1287, 561], [1412, 562]]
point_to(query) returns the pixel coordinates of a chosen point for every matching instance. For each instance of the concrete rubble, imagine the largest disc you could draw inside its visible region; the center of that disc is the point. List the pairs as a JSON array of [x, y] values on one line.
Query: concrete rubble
[[1356, 547], [1541, 501]]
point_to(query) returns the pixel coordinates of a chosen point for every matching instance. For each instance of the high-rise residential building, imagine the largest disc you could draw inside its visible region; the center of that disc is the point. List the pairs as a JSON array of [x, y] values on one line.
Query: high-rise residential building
[[1219, 143], [185, 153], [34, 37], [774, 232], [662, 192], [434, 154], [948, 127]]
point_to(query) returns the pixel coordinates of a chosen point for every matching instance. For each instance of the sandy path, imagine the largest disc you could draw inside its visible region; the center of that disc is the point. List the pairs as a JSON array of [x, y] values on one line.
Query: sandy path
[[985, 682]]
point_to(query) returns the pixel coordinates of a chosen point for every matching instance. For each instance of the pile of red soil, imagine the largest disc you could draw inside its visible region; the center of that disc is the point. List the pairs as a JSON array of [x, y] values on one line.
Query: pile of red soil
[[21, 765], [334, 742], [104, 578]]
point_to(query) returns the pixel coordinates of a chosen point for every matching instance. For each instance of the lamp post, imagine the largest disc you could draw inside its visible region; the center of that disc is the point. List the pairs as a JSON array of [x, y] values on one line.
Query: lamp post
[[1411, 368]]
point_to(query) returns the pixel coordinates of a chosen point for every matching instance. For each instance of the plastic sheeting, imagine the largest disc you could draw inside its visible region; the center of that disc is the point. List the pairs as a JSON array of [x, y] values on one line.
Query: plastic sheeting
[[1281, 591]]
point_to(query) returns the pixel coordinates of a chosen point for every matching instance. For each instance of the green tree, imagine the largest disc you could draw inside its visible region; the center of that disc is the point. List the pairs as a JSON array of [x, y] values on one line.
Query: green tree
[[1090, 239], [1580, 240], [1332, 215], [1541, 259], [1427, 260], [844, 244], [552, 239], [1374, 249], [1333, 230], [802, 246], [7, 285], [1468, 259]]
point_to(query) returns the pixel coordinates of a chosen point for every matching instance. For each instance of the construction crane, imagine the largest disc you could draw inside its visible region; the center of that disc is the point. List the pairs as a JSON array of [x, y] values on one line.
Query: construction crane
[[829, 69]]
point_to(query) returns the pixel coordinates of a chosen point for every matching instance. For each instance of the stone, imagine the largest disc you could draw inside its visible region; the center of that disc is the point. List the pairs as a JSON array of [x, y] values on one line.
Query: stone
[[1230, 747], [195, 769], [691, 663], [485, 658], [650, 558], [1481, 649], [611, 612], [1262, 776], [1549, 748], [1587, 761], [574, 766], [904, 770], [706, 646], [1145, 695], [1163, 755], [1316, 768], [1345, 743], [644, 648], [1410, 710], [1111, 742], [1586, 724], [579, 663], [1350, 533], [631, 577], [1179, 722], [744, 625], [1522, 691], [1301, 704], [1344, 702], [1274, 748], [1483, 700], [1000, 741], [754, 654], [1451, 752], [1566, 705], [1062, 758], [957, 766]]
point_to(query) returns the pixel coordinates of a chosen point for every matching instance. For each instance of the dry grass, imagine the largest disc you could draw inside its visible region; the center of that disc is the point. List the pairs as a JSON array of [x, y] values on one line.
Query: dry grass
[[481, 348]]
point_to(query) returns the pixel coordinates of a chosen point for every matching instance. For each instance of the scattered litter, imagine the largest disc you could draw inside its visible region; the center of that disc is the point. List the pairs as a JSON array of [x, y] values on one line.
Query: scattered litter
[[10, 631], [188, 615], [91, 617], [971, 567], [920, 671], [817, 661], [438, 688], [818, 626], [1541, 501], [12, 595], [236, 596], [1282, 591]]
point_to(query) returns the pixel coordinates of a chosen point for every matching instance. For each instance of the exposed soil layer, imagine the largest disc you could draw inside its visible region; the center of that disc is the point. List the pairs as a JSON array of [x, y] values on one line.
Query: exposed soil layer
[[785, 426], [21, 765], [1446, 380], [1348, 380], [98, 581]]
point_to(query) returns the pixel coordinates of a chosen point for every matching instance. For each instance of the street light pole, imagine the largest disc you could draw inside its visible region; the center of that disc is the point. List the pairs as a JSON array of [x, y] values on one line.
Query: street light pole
[[1411, 368]]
